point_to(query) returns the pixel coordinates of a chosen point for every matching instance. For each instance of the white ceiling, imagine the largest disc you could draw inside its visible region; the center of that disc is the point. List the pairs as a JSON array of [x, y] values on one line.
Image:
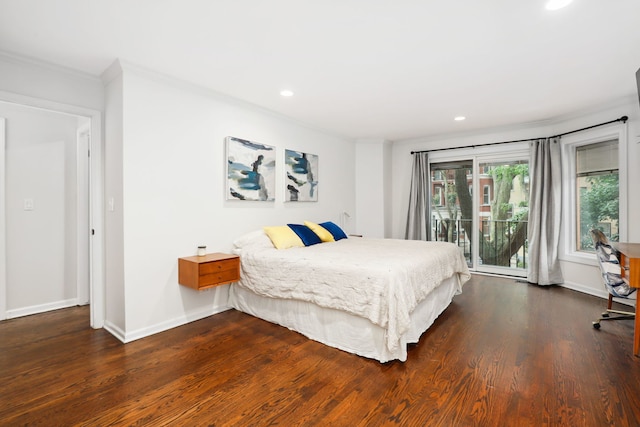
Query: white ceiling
[[359, 68]]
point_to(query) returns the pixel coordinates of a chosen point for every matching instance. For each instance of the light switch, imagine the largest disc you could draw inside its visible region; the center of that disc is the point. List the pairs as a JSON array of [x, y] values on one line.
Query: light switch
[[28, 204]]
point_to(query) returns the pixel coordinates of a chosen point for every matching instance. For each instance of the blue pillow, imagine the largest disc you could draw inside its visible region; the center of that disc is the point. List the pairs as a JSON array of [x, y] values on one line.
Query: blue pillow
[[307, 236], [335, 231]]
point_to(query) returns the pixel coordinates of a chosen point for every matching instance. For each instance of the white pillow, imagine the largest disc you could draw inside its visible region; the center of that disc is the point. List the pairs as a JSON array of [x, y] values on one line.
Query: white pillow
[[256, 238]]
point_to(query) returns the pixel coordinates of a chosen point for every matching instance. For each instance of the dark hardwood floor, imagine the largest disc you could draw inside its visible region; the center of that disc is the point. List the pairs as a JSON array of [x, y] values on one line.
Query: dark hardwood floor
[[503, 354]]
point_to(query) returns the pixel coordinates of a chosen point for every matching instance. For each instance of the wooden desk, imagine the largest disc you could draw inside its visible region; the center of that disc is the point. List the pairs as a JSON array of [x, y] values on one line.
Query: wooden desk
[[630, 271]]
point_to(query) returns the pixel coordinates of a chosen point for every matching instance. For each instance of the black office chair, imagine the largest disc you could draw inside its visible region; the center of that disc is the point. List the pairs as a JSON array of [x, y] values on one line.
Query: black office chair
[[609, 262]]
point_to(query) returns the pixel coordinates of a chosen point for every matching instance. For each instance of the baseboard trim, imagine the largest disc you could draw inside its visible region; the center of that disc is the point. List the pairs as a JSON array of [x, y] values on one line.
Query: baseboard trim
[[127, 337], [114, 330], [41, 308]]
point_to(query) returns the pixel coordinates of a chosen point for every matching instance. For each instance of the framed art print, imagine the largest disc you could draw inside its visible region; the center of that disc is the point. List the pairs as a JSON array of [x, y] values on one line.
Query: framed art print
[[301, 180], [251, 170]]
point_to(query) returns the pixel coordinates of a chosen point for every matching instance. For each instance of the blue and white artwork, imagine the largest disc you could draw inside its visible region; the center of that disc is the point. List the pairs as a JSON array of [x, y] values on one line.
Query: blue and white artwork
[[301, 180], [251, 170]]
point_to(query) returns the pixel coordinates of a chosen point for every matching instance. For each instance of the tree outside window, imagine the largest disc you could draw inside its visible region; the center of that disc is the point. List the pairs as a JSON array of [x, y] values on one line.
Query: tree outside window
[[598, 201]]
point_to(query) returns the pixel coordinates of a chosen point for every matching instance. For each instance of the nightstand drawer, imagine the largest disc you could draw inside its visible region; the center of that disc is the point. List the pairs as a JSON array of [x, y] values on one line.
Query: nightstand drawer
[[218, 266], [226, 276]]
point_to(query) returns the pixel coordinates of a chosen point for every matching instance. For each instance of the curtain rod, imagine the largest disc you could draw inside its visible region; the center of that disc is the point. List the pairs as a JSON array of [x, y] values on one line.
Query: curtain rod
[[622, 119]]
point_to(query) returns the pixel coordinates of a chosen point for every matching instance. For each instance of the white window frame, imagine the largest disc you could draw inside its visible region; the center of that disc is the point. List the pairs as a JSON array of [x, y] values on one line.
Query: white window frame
[[568, 250]]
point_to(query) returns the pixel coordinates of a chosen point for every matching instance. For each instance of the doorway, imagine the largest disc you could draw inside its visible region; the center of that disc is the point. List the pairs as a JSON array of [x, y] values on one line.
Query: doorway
[[44, 167], [83, 181]]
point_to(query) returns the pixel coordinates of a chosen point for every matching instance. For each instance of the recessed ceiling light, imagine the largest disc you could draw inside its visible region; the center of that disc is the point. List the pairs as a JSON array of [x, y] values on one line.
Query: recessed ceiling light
[[557, 4], [286, 93], [459, 118]]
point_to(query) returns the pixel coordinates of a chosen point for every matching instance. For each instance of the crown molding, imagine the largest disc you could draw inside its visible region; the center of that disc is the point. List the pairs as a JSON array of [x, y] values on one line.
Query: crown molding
[[111, 72], [533, 129], [122, 66], [18, 59]]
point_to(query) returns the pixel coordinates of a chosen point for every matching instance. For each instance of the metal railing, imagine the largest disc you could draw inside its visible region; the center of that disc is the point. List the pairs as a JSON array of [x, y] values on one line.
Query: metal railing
[[501, 242], [455, 232]]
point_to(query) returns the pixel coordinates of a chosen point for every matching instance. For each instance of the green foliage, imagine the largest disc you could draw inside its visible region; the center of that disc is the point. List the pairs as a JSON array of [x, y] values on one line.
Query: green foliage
[[508, 172], [452, 196], [503, 177], [599, 202], [521, 216], [504, 209]]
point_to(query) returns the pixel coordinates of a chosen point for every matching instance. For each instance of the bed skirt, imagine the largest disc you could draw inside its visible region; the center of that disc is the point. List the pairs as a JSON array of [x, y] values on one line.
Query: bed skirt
[[342, 330]]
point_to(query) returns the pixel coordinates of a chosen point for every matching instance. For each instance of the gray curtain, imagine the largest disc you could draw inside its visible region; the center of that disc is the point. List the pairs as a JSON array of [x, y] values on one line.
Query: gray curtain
[[545, 210], [418, 224]]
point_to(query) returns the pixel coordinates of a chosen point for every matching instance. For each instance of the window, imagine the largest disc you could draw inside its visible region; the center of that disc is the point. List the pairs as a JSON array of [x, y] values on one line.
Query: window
[[597, 192], [594, 190], [486, 195]]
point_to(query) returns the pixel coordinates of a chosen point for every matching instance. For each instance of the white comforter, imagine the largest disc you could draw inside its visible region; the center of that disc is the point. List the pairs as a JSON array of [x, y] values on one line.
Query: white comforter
[[380, 279]]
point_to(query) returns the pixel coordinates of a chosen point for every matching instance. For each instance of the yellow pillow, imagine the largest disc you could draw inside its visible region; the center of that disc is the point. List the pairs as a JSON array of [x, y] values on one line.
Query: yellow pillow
[[283, 237], [322, 232]]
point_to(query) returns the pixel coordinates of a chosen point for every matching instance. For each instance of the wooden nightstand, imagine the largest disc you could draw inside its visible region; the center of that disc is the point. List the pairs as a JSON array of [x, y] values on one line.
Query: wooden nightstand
[[203, 272]]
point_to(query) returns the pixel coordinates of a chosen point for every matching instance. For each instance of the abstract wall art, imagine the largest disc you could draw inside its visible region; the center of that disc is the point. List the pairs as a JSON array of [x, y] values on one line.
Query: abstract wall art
[[251, 170], [301, 180]]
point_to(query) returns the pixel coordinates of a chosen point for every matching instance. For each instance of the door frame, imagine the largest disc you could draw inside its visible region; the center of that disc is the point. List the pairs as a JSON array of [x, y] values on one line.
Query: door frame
[[97, 291], [477, 155], [3, 228], [83, 236]]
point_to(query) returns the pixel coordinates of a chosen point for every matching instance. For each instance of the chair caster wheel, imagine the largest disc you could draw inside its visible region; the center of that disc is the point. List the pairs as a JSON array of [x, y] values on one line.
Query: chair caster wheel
[[605, 314], [596, 325]]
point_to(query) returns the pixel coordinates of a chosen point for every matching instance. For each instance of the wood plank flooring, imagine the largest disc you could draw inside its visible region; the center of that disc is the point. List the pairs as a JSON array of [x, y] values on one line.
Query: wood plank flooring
[[503, 354]]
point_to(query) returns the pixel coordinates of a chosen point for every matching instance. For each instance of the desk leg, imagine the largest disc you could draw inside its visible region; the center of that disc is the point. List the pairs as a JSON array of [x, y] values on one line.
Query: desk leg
[[633, 274], [636, 332]]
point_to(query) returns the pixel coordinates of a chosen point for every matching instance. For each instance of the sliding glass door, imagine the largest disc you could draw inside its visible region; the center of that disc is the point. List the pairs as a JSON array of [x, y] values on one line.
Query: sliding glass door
[[503, 214], [481, 204]]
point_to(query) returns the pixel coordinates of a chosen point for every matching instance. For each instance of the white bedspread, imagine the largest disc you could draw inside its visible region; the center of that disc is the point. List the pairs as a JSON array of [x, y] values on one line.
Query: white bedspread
[[379, 279]]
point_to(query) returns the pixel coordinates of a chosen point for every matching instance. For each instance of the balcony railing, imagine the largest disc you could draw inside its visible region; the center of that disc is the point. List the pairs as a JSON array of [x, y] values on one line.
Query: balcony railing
[[502, 242]]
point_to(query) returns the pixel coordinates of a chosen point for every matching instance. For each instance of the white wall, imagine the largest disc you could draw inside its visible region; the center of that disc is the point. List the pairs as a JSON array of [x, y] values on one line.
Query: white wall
[[373, 188], [40, 167], [172, 199], [114, 243], [577, 275], [53, 83]]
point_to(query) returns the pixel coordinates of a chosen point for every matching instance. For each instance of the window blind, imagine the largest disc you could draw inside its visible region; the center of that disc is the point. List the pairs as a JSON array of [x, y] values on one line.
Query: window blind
[[595, 159]]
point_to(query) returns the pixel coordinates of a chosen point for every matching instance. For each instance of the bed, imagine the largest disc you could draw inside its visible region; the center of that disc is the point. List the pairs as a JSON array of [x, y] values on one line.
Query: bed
[[370, 297]]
